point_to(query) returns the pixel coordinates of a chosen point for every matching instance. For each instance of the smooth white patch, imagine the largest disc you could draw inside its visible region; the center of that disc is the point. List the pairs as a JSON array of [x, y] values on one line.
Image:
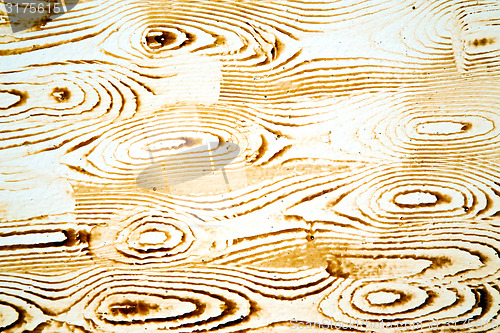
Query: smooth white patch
[[8, 315], [415, 198], [152, 237], [383, 297], [8, 99], [440, 128], [33, 238]]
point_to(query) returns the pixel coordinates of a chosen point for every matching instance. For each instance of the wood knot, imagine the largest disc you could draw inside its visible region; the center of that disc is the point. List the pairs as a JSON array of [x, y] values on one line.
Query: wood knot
[[129, 307], [61, 94], [157, 39], [483, 41]]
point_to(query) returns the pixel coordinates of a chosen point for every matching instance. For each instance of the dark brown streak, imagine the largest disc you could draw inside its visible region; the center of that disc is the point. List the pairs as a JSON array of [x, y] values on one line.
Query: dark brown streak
[[278, 154], [82, 144]]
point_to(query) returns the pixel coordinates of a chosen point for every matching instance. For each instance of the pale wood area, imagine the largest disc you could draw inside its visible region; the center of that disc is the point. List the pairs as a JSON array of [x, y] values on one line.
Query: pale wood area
[[354, 147]]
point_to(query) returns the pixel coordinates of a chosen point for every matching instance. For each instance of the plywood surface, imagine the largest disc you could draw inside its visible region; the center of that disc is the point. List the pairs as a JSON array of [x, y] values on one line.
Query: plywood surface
[[252, 166]]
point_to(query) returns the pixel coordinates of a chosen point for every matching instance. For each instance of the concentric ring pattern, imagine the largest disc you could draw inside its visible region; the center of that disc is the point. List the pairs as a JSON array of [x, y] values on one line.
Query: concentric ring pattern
[[251, 166]]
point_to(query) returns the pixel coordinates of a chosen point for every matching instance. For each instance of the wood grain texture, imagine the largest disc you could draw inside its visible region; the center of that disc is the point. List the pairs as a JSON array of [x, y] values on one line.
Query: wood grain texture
[[252, 166]]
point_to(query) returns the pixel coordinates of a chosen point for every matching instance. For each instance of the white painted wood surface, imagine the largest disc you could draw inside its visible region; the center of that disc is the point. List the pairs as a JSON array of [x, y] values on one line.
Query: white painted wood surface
[[348, 175]]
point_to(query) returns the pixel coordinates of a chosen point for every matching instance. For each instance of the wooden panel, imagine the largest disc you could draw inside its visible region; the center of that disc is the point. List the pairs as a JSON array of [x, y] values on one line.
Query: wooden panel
[[251, 166]]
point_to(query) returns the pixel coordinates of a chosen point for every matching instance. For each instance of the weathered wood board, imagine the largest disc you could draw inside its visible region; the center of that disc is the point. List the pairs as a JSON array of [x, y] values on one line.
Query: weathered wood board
[[251, 166]]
